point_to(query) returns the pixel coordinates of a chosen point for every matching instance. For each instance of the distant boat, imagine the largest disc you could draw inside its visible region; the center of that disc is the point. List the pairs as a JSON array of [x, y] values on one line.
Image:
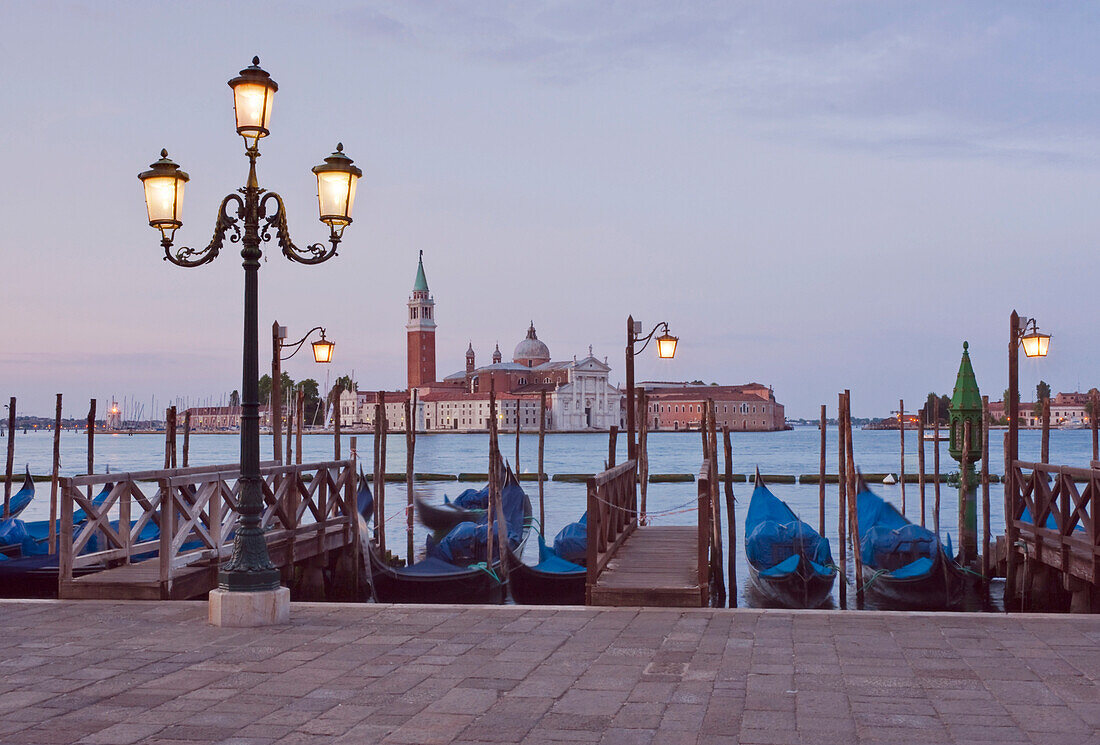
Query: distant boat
[[788, 560]]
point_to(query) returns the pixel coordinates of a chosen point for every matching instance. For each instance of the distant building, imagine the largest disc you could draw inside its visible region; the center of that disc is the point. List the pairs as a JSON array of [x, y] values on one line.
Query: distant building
[[743, 408], [1066, 410], [219, 418], [113, 420]]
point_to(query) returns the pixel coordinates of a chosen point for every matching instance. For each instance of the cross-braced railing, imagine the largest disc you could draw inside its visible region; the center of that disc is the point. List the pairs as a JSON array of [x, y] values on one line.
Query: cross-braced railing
[[1052, 516], [182, 516], [612, 516]]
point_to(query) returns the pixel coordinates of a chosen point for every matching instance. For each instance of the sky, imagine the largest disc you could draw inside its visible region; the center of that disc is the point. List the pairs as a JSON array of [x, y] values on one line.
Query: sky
[[817, 196]]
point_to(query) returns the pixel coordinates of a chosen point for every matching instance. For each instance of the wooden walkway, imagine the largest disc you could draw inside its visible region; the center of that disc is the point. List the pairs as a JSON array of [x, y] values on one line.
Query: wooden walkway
[[167, 544], [630, 565]]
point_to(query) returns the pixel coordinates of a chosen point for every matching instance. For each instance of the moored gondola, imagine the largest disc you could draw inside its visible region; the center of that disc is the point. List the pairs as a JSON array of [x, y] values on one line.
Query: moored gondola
[[456, 569], [905, 566], [789, 562], [23, 497], [553, 581]]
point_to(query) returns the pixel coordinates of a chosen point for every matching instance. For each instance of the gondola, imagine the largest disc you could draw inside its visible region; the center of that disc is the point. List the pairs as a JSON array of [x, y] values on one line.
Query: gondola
[[554, 580], [23, 497], [789, 562], [434, 579], [905, 566]]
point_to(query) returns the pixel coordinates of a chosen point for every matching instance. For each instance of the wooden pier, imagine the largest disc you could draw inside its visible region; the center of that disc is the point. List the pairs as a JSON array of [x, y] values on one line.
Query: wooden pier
[[175, 527], [1053, 540], [649, 565]]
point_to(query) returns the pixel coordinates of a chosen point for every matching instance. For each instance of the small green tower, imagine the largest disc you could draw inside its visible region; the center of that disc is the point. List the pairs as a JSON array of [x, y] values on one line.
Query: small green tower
[[966, 406]]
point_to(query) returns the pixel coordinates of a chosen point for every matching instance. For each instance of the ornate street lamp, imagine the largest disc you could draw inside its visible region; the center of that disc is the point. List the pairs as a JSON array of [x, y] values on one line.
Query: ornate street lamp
[[666, 350], [250, 223]]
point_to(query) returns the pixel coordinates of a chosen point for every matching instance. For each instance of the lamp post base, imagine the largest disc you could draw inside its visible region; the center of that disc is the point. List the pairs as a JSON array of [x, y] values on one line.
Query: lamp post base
[[230, 609]]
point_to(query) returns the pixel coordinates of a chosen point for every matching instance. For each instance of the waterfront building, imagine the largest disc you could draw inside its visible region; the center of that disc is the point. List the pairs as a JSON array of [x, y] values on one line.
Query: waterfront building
[[749, 408], [223, 418], [1066, 410]]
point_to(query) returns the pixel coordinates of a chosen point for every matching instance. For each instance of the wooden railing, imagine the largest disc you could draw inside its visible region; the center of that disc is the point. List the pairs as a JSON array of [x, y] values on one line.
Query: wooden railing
[[190, 513], [612, 515], [706, 535], [1062, 531]]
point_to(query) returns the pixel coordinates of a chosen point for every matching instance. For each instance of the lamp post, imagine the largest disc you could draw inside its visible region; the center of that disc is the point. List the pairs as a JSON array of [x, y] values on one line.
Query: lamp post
[[666, 350], [1022, 332], [250, 569], [322, 354]]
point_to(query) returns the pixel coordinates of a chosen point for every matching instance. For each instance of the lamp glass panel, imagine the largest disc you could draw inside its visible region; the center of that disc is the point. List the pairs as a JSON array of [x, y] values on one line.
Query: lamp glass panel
[[164, 199], [1035, 345], [252, 102], [666, 347], [322, 351], [335, 196]]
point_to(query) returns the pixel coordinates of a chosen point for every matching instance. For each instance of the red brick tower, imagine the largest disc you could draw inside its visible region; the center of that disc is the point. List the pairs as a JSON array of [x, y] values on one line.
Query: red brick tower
[[421, 331]]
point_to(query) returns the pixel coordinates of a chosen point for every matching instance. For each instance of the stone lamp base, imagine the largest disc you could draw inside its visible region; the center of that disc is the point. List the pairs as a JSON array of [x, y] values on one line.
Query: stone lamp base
[[247, 609]]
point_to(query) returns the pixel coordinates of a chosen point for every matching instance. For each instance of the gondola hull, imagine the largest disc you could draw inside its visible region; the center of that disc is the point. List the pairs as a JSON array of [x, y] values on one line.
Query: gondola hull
[[803, 588], [397, 585], [940, 588], [531, 586]]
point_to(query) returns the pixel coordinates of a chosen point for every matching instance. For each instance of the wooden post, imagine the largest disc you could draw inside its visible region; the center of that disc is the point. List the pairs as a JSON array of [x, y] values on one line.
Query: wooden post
[[276, 396], [518, 402], [852, 502], [716, 514], [375, 471], [821, 479], [542, 436], [936, 467], [642, 451], [300, 415], [920, 465], [11, 458], [380, 495], [289, 431], [842, 504], [901, 428], [985, 494], [186, 436], [497, 498], [336, 444], [1095, 431], [611, 437], [54, 474], [1045, 458], [964, 494], [490, 517], [409, 448], [731, 520]]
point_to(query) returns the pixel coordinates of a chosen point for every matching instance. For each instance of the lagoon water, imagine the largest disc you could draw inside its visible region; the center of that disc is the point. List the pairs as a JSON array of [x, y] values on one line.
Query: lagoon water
[[792, 452]]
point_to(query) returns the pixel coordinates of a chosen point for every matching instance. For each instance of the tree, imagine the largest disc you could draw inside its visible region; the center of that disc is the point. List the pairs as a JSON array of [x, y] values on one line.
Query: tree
[[1042, 392], [311, 399], [345, 382], [929, 407], [265, 389], [235, 396]]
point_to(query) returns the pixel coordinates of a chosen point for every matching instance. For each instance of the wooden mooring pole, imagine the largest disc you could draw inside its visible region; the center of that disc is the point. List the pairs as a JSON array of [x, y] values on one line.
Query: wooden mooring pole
[[299, 420], [490, 516], [920, 464], [1045, 457], [380, 472], [842, 504], [336, 417], [985, 495], [901, 429], [518, 402], [1093, 418], [289, 431], [186, 436], [852, 494], [731, 517], [11, 458], [54, 475], [965, 541], [821, 479], [90, 432], [715, 508], [410, 446], [936, 468], [542, 437], [642, 421], [612, 435]]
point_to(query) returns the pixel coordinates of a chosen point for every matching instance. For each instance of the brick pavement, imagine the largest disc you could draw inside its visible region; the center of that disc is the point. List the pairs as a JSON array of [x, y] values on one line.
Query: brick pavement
[[114, 673]]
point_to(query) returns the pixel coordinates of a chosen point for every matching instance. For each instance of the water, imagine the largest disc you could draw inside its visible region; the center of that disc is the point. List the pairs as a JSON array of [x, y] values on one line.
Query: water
[[793, 452]]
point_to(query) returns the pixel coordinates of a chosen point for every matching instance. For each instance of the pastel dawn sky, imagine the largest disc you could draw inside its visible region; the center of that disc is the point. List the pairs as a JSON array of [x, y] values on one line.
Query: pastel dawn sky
[[815, 195]]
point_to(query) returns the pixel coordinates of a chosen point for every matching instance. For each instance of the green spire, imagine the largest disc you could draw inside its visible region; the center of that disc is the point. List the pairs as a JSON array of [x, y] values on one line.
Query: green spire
[[966, 398], [421, 284]]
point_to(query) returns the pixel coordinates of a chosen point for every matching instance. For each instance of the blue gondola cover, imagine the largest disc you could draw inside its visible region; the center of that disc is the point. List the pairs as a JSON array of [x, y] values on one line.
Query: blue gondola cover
[[571, 542]]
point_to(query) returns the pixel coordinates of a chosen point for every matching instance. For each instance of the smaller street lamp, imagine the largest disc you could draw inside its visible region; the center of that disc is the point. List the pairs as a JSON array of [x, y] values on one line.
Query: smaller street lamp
[[666, 350], [322, 354], [1032, 342]]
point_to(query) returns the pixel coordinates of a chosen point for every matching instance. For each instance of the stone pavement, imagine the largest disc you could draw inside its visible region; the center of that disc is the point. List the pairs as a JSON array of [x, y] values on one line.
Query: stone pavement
[[117, 672]]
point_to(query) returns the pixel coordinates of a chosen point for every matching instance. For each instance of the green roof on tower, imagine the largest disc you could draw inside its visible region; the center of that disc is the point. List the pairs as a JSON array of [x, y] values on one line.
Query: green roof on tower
[[421, 284], [966, 397]]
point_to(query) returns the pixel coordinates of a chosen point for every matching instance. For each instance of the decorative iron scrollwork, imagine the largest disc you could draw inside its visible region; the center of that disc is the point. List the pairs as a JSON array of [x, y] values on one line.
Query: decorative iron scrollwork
[[316, 253], [226, 223]]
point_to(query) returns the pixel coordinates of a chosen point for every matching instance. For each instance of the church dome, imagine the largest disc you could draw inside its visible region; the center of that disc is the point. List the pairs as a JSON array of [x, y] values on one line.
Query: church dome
[[531, 351]]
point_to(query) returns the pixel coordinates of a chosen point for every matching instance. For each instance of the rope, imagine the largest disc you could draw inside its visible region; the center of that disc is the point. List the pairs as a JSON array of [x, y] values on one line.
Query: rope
[[484, 567], [878, 573]]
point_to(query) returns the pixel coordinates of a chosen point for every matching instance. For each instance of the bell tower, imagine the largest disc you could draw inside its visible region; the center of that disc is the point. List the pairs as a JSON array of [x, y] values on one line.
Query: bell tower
[[420, 330]]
